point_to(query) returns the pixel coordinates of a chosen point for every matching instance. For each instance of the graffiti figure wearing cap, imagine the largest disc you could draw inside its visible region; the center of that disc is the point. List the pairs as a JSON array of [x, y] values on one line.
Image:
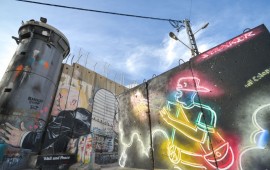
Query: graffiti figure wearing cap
[[192, 124]]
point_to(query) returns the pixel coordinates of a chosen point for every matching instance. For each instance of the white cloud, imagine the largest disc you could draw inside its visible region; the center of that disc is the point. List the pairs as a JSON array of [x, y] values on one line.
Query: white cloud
[[173, 50], [169, 51], [158, 59], [7, 51], [136, 61]]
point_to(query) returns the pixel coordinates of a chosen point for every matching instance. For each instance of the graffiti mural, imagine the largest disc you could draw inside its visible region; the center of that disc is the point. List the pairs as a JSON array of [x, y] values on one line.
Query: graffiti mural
[[69, 130], [46, 116], [195, 128], [27, 90], [209, 113], [105, 127], [134, 130], [259, 138], [139, 105]]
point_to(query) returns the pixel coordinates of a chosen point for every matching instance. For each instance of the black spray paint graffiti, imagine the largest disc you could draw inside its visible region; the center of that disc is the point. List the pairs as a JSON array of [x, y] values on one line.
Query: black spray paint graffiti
[[34, 103], [105, 127], [62, 128]]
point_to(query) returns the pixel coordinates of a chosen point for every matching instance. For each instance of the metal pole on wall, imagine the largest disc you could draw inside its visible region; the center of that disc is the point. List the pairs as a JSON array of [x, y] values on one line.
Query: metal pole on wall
[[192, 41], [107, 70], [193, 46], [95, 67], [86, 59]]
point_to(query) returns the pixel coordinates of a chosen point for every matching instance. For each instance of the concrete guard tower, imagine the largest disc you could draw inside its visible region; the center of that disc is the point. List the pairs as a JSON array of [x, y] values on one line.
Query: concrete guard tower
[[28, 86]]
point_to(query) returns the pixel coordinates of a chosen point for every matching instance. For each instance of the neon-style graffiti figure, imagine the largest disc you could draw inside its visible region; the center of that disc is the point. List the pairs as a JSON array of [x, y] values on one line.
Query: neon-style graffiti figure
[[259, 138], [194, 122]]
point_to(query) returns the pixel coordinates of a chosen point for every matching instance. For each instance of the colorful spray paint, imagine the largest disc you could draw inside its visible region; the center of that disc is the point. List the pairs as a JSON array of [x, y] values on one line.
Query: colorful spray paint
[[27, 90], [211, 112]]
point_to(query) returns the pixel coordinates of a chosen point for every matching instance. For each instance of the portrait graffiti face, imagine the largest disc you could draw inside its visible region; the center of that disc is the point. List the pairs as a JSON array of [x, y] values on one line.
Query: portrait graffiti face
[[72, 146], [88, 149], [69, 98], [80, 153], [72, 100], [139, 105]]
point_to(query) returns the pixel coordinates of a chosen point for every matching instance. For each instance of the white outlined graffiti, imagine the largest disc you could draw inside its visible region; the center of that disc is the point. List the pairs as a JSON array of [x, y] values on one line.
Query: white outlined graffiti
[[144, 149], [256, 144]]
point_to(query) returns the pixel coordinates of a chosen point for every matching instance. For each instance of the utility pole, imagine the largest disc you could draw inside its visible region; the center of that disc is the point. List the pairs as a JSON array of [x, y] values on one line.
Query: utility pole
[[192, 41]]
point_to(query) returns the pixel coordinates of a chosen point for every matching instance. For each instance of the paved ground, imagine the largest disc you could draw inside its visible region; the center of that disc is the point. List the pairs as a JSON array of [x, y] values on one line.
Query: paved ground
[[115, 166]]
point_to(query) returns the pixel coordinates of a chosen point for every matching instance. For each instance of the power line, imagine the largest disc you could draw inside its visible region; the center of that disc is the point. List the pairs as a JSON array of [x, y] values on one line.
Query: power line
[[98, 11]]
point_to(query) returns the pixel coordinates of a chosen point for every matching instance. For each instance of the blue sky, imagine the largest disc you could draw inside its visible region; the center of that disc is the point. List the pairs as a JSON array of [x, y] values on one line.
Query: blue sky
[[133, 48]]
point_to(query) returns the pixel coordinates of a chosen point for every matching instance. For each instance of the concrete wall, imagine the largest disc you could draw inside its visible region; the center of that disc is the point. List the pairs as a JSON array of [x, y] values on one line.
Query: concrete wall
[[209, 113], [94, 94], [80, 129]]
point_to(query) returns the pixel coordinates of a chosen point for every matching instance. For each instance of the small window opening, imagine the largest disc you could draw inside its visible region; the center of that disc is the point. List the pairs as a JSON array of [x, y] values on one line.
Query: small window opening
[[7, 90]]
